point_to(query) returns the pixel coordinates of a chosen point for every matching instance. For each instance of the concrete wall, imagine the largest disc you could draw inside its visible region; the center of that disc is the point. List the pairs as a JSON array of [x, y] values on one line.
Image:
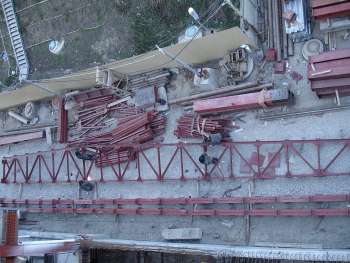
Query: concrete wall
[[67, 258]]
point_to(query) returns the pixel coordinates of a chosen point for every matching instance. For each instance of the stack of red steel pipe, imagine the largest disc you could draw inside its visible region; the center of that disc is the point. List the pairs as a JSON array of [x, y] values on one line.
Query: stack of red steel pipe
[[62, 122], [92, 108], [329, 73], [94, 97], [138, 129], [323, 9], [133, 129], [191, 126], [110, 156], [123, 110]]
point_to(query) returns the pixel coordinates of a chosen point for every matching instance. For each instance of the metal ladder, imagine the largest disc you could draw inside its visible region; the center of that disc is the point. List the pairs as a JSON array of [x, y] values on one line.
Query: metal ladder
[[16, 39]]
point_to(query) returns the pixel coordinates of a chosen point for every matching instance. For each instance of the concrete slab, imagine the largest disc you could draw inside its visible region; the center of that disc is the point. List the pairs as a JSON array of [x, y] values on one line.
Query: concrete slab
[[182, 234]]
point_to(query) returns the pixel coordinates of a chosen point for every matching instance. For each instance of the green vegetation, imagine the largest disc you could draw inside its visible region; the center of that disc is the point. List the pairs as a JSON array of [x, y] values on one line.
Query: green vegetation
[[162, 21], [10, 80]]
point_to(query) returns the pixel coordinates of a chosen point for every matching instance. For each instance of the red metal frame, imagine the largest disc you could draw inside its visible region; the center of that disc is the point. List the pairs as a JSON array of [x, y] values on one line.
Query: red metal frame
[[10, 232], [151, 164], [38, 250], [212, 206]]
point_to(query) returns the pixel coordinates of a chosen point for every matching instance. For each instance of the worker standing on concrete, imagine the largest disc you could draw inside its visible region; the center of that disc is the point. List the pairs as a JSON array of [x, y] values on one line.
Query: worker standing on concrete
[[85, 154], [207, 160]]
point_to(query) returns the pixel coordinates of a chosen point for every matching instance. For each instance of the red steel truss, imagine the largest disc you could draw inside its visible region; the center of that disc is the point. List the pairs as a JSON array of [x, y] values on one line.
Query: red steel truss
[[222, 206], [179, 161]]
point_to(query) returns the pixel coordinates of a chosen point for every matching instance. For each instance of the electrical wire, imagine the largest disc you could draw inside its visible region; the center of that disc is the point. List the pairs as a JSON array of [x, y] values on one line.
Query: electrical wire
[[147, 58], [30, 6]]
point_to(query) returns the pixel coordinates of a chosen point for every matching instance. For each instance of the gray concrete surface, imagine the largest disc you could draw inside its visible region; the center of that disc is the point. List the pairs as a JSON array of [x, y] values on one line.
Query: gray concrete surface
[[332, 232]]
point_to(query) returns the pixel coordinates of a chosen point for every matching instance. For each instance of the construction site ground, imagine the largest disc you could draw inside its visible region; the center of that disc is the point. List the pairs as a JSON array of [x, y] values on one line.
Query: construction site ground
[[305, 232], [330, 232]]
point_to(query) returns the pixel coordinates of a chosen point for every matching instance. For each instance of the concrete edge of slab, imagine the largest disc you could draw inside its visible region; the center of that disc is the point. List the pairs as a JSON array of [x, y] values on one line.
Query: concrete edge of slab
[[342, 255]]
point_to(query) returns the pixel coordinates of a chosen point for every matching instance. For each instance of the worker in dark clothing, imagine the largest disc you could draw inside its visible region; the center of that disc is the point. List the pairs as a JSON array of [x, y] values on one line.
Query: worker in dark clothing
[[85, 154], [86, 186], [207, 160]]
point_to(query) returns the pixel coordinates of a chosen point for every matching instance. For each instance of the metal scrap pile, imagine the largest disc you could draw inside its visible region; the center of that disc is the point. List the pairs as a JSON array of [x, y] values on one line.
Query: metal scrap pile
[[95, 110], [191, 126], [105, 122], [138, 128], [237, 64], [91, 109], [135, 129]]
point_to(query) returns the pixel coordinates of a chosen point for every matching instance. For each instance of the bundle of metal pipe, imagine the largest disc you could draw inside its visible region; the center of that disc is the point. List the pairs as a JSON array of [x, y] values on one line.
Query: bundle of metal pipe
[[138, 128], [158, 78], [93, 97], [109, 157], [277, 38], [191, 126], [91, 109], [223, 90]]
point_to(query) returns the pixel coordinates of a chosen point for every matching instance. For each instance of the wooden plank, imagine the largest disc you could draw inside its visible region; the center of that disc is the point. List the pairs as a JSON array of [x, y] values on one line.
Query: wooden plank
[[332, 55], [321, 3], [4, 140]]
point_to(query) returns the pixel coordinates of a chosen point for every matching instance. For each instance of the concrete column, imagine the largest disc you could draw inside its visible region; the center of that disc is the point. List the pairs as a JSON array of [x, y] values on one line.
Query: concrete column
[[1, 227], [67, 258], [1, 230]]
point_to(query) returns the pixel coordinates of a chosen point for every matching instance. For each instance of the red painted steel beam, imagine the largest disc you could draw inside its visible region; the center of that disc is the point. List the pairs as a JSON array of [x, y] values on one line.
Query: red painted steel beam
[[211, 206], [329, 65], [62, 122], [254, 100], [9, 139], [331, 55], [177, 201], [10, 232], [231, 103], [320, 3], [341, 9], [340, 83], [334, 73], [38, 250]]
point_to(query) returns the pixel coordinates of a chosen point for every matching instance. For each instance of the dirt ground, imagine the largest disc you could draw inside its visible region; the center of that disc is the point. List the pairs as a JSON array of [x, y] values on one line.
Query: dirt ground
[[100, 31]]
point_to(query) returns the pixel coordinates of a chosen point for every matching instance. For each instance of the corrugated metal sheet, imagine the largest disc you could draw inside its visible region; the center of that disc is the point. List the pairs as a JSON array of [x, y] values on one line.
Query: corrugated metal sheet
[[299, 24]]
